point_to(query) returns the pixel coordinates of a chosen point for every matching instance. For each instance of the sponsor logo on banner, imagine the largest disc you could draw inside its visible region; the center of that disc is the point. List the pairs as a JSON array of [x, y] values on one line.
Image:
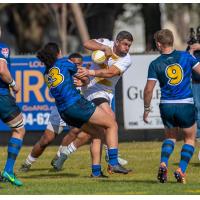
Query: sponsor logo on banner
[[134, 80], [5, 52]]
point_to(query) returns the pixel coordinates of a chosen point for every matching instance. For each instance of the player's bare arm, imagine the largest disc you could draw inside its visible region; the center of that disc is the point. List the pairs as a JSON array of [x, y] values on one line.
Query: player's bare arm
[[6, 76], [93, 45], [103, 73]]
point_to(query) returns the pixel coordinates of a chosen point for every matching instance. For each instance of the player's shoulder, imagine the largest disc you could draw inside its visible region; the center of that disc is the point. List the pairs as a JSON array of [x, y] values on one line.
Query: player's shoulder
[[4, 50], [105, 41]]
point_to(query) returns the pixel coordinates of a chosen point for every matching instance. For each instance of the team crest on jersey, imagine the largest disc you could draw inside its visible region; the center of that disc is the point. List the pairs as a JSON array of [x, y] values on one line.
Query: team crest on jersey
[[5, 52]]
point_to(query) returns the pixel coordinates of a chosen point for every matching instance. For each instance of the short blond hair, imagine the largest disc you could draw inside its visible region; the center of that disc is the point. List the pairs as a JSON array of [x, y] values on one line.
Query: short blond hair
[[165, 37]]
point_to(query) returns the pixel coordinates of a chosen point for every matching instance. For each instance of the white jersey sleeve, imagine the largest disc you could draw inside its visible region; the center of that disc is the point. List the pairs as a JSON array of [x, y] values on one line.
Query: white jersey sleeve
[[124, 63]]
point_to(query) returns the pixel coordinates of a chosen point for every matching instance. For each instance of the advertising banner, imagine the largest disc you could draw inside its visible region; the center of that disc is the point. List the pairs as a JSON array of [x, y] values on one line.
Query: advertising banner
[[34, 98], [134, 80]]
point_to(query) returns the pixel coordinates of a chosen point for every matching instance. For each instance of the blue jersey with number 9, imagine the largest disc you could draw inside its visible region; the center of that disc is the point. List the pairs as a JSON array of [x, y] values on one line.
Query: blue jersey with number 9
[[173, 71], [59, 79]]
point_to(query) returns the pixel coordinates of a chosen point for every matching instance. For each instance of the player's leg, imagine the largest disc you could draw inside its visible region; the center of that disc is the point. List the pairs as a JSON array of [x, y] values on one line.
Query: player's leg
[[187, 152], [40, 146], [166, 151], [106, 107], [188, 125], [68, 147], [167, 114], [12, 116], [96, 152], [101, 118]]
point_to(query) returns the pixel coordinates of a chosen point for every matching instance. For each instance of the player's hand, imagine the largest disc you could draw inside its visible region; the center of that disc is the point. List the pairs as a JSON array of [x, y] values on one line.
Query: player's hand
[[194, 47], [15, 89], [77, 82], [82, 72], [145, 116], [108, 52]]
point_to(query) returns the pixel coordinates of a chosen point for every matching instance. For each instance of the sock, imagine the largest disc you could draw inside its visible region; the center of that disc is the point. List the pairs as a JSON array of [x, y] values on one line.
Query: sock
[[106, 149], [30, 160], [14, 147], [186, 155], [68, 149], [113, 155], [59, 149], [96, 170], [167, 149]]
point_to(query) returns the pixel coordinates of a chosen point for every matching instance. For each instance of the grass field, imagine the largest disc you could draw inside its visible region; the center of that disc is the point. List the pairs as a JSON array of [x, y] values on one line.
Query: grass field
[[143, 157]]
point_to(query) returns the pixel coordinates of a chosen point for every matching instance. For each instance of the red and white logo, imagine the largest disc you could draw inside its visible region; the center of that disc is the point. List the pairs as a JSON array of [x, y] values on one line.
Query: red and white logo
[[5, 52]]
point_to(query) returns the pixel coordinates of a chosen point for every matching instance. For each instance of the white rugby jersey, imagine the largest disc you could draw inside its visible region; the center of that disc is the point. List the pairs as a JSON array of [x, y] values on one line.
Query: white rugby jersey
[[107, 84]]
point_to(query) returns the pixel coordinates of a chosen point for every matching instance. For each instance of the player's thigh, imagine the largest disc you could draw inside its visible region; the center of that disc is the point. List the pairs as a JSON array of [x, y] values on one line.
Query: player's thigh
[[185, 115], [101, 118], [167, 112], [11, 115]]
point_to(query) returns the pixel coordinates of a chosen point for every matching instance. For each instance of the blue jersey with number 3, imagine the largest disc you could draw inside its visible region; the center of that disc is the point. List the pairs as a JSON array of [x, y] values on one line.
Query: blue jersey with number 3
[[173, 71], [4, 55], [59, 79]]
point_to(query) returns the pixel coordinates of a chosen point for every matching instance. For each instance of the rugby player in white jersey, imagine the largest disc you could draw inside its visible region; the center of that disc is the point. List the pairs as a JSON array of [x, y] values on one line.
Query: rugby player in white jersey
[[100, 90]]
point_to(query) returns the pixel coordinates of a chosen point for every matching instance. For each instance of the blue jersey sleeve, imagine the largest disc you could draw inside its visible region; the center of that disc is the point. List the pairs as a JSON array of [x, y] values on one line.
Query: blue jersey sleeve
[[193, 61], [71, 67], [152, 75]]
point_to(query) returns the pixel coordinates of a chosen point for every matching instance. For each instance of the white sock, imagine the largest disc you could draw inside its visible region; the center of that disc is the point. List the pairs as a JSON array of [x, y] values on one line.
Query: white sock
[[30, 160], [106, 149], [68, 149], [59, 149]]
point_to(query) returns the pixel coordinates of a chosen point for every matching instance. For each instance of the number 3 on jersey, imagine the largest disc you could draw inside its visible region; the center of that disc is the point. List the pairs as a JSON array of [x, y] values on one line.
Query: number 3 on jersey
[[174, 73], [54, 77]]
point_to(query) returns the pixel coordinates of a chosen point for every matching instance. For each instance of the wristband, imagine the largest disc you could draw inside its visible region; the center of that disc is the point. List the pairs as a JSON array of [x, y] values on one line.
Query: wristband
[[147, 108], [92, 72], [12, 83]]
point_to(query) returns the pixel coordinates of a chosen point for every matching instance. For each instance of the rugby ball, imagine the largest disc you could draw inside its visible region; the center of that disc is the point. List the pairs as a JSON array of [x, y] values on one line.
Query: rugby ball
[[98, 57]]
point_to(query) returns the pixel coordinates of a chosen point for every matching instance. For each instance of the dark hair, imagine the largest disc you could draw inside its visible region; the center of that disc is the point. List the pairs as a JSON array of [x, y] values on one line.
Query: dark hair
[[165, 37], [48, 54], [124, 35], [75, 55]]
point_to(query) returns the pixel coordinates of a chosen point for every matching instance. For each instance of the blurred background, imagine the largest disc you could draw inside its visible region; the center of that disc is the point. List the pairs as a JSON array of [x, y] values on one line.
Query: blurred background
[[26, 27]]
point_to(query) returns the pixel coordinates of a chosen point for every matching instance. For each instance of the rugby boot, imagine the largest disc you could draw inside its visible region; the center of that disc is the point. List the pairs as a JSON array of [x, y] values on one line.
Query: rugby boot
[[162, 173], [60, 161], [180, 176], [54, 160], [117, 169], [11, 178], [100, 176], [25, 167]]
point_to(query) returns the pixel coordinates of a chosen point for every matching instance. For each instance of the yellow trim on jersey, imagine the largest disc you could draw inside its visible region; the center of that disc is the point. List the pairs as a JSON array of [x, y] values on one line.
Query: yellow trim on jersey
[[115, 57], [103, 81], [103, 66]]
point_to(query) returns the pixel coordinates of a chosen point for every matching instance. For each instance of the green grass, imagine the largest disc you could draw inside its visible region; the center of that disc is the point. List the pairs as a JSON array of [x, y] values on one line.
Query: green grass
[[143, 157]]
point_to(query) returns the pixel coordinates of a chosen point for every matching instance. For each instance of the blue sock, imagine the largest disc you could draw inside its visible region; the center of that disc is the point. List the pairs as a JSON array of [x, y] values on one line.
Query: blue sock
[[186, 155], [167, 149], [113, 155], [96, 170], [14, 147]]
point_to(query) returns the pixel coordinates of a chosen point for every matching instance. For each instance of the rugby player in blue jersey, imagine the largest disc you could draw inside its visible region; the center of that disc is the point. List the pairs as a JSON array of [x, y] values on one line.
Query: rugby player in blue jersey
[[173, 69], [10, 114], [73, 108]]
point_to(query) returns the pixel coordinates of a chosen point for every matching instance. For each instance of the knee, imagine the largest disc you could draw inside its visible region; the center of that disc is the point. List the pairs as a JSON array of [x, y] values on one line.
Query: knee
[[44, 142]]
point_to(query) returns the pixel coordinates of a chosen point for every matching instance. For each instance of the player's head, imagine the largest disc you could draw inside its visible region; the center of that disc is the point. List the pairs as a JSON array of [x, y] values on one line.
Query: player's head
[[123, 42], [49, 54], [164, 38], [76, 58]]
